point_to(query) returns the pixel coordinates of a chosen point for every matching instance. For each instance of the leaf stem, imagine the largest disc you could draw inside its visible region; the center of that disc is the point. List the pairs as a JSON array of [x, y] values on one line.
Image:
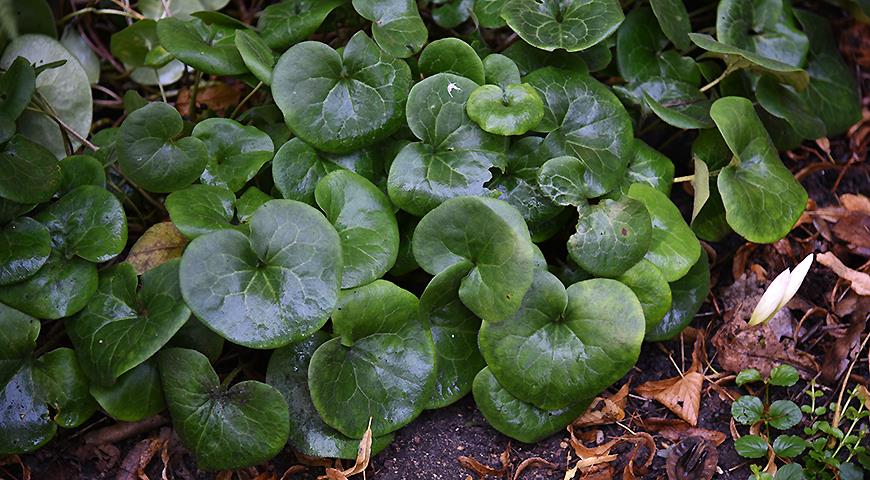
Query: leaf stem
[[245, 100], [99, 11], [728, 71], [229, 378], [191, 110], [689, 178]]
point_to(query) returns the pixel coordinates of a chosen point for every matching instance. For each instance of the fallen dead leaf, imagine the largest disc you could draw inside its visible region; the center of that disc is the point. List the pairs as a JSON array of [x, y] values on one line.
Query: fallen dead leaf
[[643, 442], [854, 229], [855, 203], [137, 459], [16, 460], [218, 97], [864, 394], [681, 394], [676, 430], [604, 410], [860, 281], [480, 469], [845, 348], [694, 458], [534, 462], [602, 471], [313, 461], [363, 456], [159, 244], [293, 471]]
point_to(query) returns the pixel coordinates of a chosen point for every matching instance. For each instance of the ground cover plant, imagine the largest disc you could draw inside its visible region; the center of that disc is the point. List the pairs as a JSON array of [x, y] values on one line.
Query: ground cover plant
[[305, 223]]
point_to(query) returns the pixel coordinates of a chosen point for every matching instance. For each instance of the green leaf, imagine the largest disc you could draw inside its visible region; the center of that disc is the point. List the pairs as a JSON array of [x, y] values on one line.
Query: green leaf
[[59, 289], [236, 152], [500, 70], [761, 197], [451, 55], [585, 121], [288, 373], [641, 51], [517, 419], [737, 59], [488, 13], [789, 446], [138, 394], [794, 471], [208, 48], [265, 290], [65, 89], [455, 156], [396, 25], [529, 58], [570, 24], [850, 471], [380, 368], [611, 236], [366, 225], [651, 288], [133, 44], [201, 209], [258, 57], [512, 110], [123, 326], [749, 375], [783, 102], [783, 375], [764, 27], [88, 222], [249, 202], [196, 336], [181, 9], [296, 170], [29, 173], [405, 261], [747, 410], [751, 446], [688, 294], [677, 103], [25, 245], [452, 13], [341, 102], [496, 247], [290, 21], [18, 333], [76, 44], [17, 86], [454, 330], [674, 21], [78, 170], [673, 246], [561, 345], [783, 414], [29, 17], [647, 166], [152, 154], [225, 428]]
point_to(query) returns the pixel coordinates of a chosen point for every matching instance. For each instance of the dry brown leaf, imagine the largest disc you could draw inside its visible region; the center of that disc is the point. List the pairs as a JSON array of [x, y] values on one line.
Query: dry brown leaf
[[313, 461], [480, 469], [363, 456], [16, 460], [534, 462], [159, 244], [860, 281], [218, 97], [845, 348], [854, 229], [676, 430], [864, 394], [293, 471], [604, 410], [681, 395], [585, 452], [693, 459], [855, 203], [633, 468], [600, 471]]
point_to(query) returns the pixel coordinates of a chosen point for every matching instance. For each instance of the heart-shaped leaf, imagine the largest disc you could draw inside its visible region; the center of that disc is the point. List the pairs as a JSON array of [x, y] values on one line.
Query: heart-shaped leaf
[[341, 102], [208, 48], [288, 372], [454, 156], [396, 25], [18, 333], [496, 247], [674, 21], [122, 327], [225, 428], [59, 289], [783, 102], [678, 104], [290, 21], [88, 222], [196, 336], [132, 44], [29, 173], [25, 245], [381, 366], [258, 57], [454, 330], [737, 58], [366, 225], [138, 394], [515, 418], [236, 152], [296, 170], [688, 294], [611, 236], [567, 24], [648, 166], [641, 51], [500, 70], [488, 13], [766, 28], [451, 55], [512, 110], [565, 345], [183, 10], [561, 180], [451, 13], [761, 197], [78, 170], [17, 86], [673, 247], [529, 58], [159, 244], [277, 285], [652, 290], [151, 153]]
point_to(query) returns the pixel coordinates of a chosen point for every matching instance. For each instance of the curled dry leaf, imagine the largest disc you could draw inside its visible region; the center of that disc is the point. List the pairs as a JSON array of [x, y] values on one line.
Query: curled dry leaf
[[363, 456], [676, 430], [845, 348], [534, 462], [855, 203], [860, 281], [218, 97], [854, 229], [604, 410], [681, 394], [485, 470], [643, 442], [694, 458], [159, 244]]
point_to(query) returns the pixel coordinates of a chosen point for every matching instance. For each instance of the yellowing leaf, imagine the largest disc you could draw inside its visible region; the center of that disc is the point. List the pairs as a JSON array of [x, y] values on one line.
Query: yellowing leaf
[[159, 244]]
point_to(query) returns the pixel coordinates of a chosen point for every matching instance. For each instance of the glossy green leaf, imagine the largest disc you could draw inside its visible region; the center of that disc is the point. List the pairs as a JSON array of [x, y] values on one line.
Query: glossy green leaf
[[452, 13], [761, 197], [201, 209], [258, 57], [380, 368], [571, 25], [132, 44], [647, 166], [500, 70], [611, 236], [750, 375], [196, 336], [674, 21], [17, 86], [59, 289], [225, 428], [208, 48], [236, 152], [789, 446], [405, 261], [673, 247], [783, 375], [277, 285], [512, 110], [285, 23], [783, 414], [151, 153], [341, 102], [652, 290], [747, 409], [496, 246], [366, 225], [88, 222], [123, 326], [765, 27], [678, 104], [454, 156], [529, 58], [783, 102], [177, 8], [488, 13], [297, 168], [562, 346], [138, 394], [737, 58], [688, 294], [249, 202], [78, 170], [454, 330], [18, 333], [288, 373], [76, 44], [396, 25], [641, 51], [25, 245], [451, 55], [30, 16], [515, 418], [29, 173], [751, 446]]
